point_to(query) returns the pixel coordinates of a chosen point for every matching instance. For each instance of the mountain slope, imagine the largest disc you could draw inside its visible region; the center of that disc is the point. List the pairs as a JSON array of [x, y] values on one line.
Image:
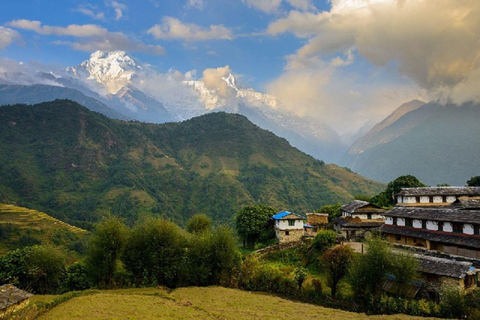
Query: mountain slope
[[79, 165], [13, 94], [436, 143]]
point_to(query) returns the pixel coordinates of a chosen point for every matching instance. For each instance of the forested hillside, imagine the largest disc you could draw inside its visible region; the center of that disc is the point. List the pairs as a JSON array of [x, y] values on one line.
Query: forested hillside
[[78, 165]]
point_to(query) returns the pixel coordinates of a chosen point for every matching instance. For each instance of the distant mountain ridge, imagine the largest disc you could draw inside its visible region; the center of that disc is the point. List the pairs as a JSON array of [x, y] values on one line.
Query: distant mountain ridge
[[437, 143], [77, 165]]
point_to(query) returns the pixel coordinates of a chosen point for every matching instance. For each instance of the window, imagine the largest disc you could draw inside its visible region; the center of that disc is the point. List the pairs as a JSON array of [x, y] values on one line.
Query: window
[[424, 224], [457, 227], [287, 233], [398, 238], [408, 222], [476, 229], [291, 223], [440, 226], [369, 216], [394, 221]]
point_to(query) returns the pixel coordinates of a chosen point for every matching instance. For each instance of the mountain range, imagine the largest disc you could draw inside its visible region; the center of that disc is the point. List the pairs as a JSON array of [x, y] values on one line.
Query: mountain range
[[79, 166]]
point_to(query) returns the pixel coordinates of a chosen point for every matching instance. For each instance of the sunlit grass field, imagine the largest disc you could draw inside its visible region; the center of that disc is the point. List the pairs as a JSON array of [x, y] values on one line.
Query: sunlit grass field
[[192, 303], [35, 224]]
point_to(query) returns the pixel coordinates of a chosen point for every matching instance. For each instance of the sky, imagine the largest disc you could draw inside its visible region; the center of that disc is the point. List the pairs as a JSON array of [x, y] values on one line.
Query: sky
[[344, 62]]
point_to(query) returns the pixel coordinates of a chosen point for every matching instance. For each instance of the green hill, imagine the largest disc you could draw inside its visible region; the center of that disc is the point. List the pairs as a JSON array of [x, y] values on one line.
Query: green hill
[[192, 303], [21, 226], [78, 165]]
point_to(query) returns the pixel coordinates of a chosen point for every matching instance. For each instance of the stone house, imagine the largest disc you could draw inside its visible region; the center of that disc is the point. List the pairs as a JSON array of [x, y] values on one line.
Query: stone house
[[315, 222], [12, 299], [358, 218], [451, 226], [289, 226]]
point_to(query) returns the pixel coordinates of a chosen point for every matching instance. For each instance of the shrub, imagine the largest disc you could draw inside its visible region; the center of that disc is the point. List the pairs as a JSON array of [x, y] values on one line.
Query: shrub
[[199, 223]]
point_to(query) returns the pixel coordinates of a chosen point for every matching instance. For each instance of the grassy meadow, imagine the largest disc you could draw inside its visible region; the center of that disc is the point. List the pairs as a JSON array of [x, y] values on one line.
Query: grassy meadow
[[191, 303], [21, 226]]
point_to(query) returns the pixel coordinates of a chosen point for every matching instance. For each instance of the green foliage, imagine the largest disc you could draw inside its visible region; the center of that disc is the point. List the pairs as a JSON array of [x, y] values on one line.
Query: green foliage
[[199, 223], [254, 224], [105, 249], [76, 277], [37, 269], [154, 253], [362, 197], [299, 274], [474, 181], [386, 198], [454, 303], [369, 270], [324, 240], [404, 267], [336, 261], [211, 257], [333, 210], [393, 305]]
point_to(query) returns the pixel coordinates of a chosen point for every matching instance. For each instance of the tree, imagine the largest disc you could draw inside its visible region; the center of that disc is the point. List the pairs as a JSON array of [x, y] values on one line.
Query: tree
[[76, 277], [474, 181], [324, 240], [337, 262], [300, 274], [386, 198], [368, 271], [333, 210], [199, 223], [404, 267], [105, 250], [253, 224], [155, 252]]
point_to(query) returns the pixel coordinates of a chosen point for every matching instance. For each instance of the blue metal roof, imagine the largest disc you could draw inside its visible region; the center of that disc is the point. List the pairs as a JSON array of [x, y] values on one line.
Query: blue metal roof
[[283, 214]]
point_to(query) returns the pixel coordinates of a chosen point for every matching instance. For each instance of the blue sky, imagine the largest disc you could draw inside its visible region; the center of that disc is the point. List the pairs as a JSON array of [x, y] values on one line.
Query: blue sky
[[345, 62]]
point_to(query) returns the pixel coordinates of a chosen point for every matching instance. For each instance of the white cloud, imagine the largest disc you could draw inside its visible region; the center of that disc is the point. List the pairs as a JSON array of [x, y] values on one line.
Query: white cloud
[[172, 28], [92, 37], [304, 5], [423, 49], [197, 4], [119, 8], [267, 6], [90, 11], [7, 36]]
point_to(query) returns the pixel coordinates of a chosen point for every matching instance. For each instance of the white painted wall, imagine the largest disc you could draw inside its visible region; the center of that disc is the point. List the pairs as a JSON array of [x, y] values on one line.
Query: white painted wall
[[283, 225], [399, 199], [432, 225], [389, 220], [447, 227], [365, 216], [451, 199], [424, 199], [417, 223], [437, 199], [467, 228], [401, 222], [409, 200]]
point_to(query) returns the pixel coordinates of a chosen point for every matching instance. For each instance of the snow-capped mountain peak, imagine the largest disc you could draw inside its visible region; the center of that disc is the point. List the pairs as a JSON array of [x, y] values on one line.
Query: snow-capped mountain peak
[[112, 69]]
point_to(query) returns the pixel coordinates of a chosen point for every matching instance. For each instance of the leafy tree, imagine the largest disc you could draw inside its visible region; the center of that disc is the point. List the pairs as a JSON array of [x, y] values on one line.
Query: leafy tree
[[253, 224], [363, 197], [333, 210], [76, 277], [474, 181], [386, 198], [337, 262], [105, 249], [154, 253], [324, 240], [404, 267], [199, 223], [369, 270], [300, 274]]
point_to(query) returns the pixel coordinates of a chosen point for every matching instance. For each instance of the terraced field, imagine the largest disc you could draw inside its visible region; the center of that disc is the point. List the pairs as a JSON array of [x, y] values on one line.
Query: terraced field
[[194, 303], [22, 226]]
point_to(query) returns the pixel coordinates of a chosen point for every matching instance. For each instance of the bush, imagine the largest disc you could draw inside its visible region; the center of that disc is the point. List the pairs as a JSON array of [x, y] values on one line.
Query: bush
[[76, 278], [199, 223]]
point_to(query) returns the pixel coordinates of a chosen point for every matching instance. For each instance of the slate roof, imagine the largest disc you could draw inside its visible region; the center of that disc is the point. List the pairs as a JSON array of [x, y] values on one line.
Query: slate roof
[[10, 295], [466, 203], [354, 224], [443, 267], [458, 239], [440, 191], [390, 285], [447, 213], [283, 214], [353, 205]]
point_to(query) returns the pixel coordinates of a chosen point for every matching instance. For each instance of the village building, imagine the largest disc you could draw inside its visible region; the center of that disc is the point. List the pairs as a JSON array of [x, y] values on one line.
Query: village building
[[451, 226], [358, 218], [12, 299], [435, 196], [289, 227], [315, 223]]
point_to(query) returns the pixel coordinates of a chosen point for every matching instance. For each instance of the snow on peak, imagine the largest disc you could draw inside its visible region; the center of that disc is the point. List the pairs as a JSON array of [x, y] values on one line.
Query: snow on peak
[[112, 69]]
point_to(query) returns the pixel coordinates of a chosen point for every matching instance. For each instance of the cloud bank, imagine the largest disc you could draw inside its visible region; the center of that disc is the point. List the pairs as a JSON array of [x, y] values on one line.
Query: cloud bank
[[7, 36], [173, 29]]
